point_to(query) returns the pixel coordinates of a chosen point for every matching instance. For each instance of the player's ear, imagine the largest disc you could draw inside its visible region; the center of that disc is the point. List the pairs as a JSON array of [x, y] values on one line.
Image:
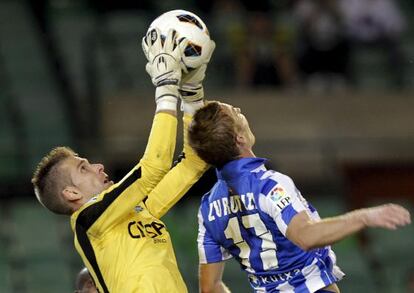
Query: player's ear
[[71, 193], [241, 139]]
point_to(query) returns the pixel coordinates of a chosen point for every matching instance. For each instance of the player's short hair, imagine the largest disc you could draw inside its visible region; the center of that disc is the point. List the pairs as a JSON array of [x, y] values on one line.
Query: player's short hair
[[49, 180], [212, 134], [82, 278]]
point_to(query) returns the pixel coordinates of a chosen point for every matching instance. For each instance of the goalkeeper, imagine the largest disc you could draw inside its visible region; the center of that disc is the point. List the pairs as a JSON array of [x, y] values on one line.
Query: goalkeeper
[[117, 227]]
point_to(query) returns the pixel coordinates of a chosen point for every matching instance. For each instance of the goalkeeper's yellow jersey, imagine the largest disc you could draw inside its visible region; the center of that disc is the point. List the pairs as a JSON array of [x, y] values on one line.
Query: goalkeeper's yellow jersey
[[119, 234]]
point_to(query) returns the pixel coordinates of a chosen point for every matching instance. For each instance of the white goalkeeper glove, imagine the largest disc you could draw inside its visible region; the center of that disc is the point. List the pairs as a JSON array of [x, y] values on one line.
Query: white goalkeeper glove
[[164, 66], [191, 86]]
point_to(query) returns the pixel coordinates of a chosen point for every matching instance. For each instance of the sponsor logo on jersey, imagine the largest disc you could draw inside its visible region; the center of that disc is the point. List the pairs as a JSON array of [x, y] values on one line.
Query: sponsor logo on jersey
[[138, 229], [254, 280], [159, 240], [258, 281]]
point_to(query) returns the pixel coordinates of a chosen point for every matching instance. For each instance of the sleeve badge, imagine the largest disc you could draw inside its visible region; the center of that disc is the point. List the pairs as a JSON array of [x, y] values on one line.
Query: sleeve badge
[[280, 197]]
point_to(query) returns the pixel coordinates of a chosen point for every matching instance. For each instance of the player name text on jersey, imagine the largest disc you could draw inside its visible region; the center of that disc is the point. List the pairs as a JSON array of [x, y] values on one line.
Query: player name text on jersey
[[232, 205]]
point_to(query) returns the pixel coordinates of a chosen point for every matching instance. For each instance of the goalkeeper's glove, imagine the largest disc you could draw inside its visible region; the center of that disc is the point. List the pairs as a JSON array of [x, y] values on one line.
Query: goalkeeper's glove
[[164, 66], [191, 86]]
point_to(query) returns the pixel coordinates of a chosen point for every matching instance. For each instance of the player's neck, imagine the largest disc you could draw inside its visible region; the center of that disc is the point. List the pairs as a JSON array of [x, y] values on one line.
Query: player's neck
[[247, 153]]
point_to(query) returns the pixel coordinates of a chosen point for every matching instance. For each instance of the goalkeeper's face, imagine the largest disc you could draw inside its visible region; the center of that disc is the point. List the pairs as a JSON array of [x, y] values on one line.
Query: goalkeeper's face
[[87, 180]]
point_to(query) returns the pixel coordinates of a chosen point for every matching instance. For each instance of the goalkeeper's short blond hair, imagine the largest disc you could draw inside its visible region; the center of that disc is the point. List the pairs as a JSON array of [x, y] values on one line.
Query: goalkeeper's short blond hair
[[49, 180]]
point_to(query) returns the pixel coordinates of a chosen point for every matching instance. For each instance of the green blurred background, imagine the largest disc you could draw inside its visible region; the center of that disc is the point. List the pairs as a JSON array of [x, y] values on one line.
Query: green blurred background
[[327, 86]]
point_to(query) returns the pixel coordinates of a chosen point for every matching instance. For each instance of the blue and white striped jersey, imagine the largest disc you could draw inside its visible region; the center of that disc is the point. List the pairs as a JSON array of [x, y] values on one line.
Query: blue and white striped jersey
[[245, 216]]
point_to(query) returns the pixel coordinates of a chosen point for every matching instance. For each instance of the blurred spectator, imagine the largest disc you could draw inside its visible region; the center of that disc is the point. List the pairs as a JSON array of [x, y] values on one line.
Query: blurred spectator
[[323, 55], [269, 61], [254, 48], [377, 23], [266, 59], [207, 6], [228, 29], [104, 6], [372, 20], [257, 5]]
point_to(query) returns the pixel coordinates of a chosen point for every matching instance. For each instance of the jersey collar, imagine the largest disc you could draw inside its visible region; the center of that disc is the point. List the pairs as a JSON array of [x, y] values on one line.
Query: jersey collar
[[236, 168]]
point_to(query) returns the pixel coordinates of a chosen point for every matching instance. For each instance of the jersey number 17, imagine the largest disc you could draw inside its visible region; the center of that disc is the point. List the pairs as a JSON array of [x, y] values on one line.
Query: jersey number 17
[[268, 246]]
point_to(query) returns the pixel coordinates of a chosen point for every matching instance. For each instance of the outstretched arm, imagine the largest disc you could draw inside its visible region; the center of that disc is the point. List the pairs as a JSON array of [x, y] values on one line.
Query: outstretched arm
[[165, 71], [297, 220], [189, 170], [309, 234]]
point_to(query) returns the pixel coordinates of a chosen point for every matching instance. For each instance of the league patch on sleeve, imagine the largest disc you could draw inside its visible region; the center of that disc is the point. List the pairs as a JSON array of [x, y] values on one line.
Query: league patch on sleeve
[[279, 196]]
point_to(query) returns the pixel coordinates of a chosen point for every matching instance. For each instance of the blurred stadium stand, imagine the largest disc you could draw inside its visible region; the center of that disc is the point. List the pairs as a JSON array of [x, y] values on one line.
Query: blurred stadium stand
[[72, 73]]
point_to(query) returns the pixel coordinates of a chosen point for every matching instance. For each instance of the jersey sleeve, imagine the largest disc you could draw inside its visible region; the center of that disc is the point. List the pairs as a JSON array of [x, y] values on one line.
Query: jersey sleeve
[[158, 155], [209, 251], [105, 210], [178, 180], [281, 200]]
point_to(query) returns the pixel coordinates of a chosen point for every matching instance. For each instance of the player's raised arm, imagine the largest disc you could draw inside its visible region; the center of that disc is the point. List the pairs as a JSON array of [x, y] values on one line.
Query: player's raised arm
[[295, 219], [189, 170], [165, 71], [309, 234]]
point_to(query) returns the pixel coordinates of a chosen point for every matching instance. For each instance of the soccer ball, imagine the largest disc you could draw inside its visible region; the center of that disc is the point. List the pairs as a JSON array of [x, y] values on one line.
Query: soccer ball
[[190, 26]]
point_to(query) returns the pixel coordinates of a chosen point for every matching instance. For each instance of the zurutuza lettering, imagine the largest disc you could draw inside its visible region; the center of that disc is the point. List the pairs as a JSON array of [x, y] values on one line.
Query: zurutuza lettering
[[231, 205]]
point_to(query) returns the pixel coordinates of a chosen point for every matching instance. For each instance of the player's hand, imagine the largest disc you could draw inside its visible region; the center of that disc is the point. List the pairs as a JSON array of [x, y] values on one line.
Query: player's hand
[[164, 57], [191, 86], [389, 216], [164, 66]]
